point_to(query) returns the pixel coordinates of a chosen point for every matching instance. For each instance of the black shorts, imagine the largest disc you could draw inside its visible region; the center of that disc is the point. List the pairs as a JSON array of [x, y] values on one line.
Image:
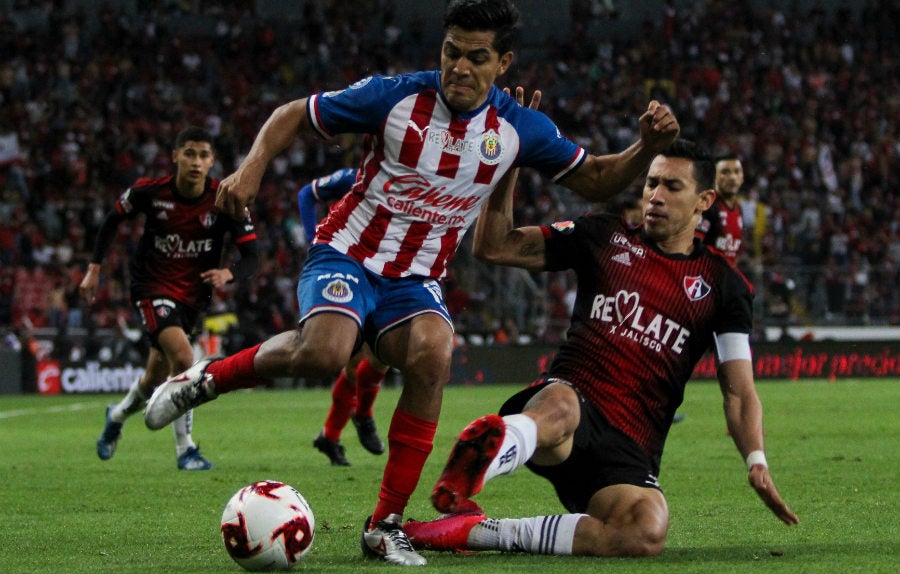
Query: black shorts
[[602, 455], [157, 313]]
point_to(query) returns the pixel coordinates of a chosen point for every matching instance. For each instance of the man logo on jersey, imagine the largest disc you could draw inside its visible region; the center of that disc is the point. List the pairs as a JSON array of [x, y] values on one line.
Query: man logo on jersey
[[490, 149], [338, 291], [696, 288], [208, 219]]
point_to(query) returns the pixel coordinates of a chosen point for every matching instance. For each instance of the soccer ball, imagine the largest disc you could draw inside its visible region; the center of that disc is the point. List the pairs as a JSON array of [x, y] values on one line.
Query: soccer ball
[[268, 525]]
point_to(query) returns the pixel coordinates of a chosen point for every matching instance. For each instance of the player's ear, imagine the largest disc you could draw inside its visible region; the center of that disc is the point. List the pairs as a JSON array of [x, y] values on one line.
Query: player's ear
[[707, 198], [505, 62]]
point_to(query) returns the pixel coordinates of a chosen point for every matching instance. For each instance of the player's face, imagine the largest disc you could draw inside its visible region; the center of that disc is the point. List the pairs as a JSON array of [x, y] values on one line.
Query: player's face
[[193, 160], [469, 66], [729, 178], [672, 203]]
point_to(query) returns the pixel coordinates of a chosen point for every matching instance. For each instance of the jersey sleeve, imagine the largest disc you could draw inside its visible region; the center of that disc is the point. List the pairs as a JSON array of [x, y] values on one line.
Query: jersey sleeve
[[306, 204], [563, 245], [544, 147], [736, 315], [360, 108], [129, 205]]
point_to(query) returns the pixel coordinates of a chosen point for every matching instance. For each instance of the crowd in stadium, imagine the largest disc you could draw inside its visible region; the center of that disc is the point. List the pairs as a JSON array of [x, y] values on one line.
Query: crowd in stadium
[[809, 100]]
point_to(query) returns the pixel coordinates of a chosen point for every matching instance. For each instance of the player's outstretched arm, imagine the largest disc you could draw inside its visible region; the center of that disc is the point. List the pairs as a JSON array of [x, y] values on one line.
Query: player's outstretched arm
[[743, 413], [239, 189], [601, 177]]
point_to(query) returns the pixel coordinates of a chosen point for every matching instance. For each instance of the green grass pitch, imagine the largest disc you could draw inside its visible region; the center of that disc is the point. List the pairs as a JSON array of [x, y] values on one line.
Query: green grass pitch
[[834, 450]]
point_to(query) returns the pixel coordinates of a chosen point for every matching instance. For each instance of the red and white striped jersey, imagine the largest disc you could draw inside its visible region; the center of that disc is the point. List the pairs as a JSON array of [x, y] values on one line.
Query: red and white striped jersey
[[426, 169]]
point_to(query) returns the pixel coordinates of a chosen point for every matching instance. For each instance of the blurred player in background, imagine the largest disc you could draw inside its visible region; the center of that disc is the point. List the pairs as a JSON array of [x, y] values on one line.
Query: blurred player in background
[[722, 225], [651, 301], [174, 270], [438, 142], [357, 386]]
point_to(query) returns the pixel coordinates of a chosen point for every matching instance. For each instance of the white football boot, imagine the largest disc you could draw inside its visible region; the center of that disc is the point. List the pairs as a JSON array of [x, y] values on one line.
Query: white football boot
[[388, 542], [178, 395]]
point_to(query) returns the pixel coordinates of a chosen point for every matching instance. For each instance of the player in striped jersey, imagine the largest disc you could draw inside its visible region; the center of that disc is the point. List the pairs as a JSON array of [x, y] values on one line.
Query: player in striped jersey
[[437, 144], [356, 388], [651, 301]]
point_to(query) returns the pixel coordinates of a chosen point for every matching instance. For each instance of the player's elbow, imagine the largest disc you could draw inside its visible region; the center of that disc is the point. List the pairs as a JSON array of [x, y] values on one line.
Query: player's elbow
[[486, 253]]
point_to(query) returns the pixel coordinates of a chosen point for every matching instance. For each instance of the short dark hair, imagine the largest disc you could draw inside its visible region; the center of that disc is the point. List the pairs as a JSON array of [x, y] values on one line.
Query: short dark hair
[[498, 16], [194, 134], [704, 166], [728, 156]]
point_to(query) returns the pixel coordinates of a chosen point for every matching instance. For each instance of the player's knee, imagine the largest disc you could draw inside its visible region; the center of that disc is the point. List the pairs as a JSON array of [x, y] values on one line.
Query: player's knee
[[647, 529], [631, 542], [427, 369], [636, 531], [649, 539]]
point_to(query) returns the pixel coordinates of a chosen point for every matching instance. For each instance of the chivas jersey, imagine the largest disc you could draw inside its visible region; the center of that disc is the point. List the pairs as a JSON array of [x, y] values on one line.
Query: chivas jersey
[[642, 320], [182, 238], [722, 227], [425, 169]]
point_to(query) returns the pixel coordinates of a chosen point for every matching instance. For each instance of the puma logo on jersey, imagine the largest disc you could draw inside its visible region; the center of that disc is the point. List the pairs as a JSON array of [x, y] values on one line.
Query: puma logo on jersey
[[419, 131]]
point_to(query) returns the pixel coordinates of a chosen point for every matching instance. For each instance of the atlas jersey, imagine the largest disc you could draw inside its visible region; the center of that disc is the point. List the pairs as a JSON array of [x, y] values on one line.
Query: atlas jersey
[[326, 188], [722, 227], [642, 320], [182, 238], [425, 169]]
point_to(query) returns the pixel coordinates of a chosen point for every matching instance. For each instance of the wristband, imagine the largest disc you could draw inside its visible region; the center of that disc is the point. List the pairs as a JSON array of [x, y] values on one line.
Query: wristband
[[756, 457]]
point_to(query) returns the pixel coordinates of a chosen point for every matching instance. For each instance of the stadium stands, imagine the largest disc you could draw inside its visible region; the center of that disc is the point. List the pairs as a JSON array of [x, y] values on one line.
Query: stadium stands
[[808, 98]]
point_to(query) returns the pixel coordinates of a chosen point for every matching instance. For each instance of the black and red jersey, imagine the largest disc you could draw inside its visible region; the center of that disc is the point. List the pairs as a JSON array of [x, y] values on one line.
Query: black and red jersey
[[722, 227], [642, 320], [182, 238]]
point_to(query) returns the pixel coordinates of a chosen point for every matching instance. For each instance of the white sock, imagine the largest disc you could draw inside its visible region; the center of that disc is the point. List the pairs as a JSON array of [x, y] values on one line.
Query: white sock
[[132, 403], [538, 535], [182, 428], [519, 444]]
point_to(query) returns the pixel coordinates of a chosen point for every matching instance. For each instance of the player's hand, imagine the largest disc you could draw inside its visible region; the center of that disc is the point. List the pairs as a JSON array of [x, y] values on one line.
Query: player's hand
[[217, 277], [520, 97], [88, 287], [236, 193], [659, 127], [761, 481]]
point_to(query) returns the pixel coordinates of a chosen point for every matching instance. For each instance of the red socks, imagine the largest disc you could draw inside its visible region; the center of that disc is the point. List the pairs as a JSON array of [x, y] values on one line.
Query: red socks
[[343, 401], [411, 440], [236, 372], [368, 383]]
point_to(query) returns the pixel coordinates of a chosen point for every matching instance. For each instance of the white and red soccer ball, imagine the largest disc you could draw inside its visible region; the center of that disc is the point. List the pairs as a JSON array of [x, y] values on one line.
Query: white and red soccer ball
[[268, 525]]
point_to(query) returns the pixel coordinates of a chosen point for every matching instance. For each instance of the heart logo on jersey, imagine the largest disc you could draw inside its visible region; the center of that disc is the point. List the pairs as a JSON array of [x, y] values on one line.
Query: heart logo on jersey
[[626, 305]]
